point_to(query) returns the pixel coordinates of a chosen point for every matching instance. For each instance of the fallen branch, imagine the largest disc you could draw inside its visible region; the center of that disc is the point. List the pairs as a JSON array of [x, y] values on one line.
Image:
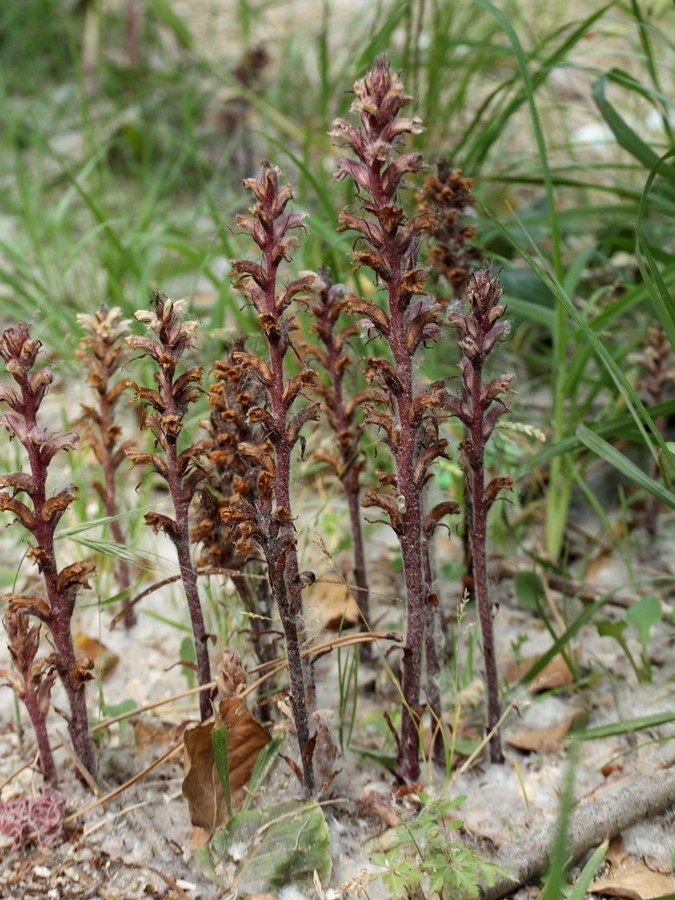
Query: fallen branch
[[588, 593], [592, 821]]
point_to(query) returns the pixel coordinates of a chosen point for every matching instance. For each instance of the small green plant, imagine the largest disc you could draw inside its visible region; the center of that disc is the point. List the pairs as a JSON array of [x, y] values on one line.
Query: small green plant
[[643, 616], [423, 854]]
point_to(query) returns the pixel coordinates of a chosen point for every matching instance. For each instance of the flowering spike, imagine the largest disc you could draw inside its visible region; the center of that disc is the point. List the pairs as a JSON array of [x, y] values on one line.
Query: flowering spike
[[478, 332], [387, 243]]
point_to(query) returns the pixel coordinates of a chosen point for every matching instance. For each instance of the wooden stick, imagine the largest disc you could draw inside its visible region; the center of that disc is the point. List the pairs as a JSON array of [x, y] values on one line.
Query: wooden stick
[[594, 819]]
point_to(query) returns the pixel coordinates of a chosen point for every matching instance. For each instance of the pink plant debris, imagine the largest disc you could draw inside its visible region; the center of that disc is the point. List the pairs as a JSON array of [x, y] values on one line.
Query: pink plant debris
[[41, 816]]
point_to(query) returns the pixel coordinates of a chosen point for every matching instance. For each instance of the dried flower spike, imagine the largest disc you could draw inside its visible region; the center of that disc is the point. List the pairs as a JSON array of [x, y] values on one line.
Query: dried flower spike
[[269, 525], [341, 411], [478, 332], [232, 476], [104, 354], [41, 515], [405, 412], [448, 194], [163, 413]]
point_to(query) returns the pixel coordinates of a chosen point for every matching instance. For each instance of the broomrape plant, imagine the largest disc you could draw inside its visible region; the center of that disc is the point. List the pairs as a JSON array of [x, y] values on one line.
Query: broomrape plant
[[341, 410], [163, 413], [40, 515], [104, 354], [407, 413], [269, 525]]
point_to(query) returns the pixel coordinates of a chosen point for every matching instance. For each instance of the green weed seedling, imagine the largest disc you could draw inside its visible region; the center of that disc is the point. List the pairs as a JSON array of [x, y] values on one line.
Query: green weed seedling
[[422, 852], [643, 616]]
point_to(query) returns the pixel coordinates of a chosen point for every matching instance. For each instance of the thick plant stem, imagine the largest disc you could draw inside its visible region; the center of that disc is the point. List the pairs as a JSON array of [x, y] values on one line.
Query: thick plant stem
[[479, 409], [66, 663], [290, 606], [360, 576], [408, 755], [39, 723], [61, 612], [269, 523], [410, 317], [347, 462], [20, 352], [479, 537], [188, 573], [297, 683], [163, 414]]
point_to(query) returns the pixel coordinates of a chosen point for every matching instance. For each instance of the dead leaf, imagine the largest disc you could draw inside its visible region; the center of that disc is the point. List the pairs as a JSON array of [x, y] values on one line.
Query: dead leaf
[[541, 740], [155, 734], [465, 739], [201, 784], [335, 606], [636, 882], [104, 660], [554, 675], [376, 804]]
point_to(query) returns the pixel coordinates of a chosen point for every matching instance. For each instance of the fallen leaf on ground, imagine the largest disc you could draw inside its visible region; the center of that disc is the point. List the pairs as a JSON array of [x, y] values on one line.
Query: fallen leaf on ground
[[334, 605], [376, 804], [467, 740], [154, 734], [636, 882], [555, 674], [201, 785], [541, 740], [104, 660]]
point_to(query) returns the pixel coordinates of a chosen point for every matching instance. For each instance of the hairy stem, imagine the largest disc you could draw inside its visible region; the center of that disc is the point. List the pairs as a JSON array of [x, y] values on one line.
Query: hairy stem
[[188, 575], [478, 544]]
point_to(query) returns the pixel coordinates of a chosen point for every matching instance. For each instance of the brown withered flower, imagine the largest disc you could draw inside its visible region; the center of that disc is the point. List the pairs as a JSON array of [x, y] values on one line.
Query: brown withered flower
[[342, 412], [104, 354], [479, 409], [178, 463], [40, 514], [403, 411], [449, 195], [234, 397], [269, 525]]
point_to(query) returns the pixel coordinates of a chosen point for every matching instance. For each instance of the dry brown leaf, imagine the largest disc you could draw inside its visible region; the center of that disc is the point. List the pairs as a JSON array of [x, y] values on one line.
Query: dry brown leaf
[[636, 882], [335, 606], [376, 804], [556, 674], [464, 732], [201, 784], [104, 660], [541, 740], [616, 855], [154, 734]]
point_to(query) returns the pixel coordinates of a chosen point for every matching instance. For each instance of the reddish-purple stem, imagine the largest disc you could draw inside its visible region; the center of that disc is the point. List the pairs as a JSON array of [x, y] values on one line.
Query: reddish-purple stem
[[60, 615], [478, 544]]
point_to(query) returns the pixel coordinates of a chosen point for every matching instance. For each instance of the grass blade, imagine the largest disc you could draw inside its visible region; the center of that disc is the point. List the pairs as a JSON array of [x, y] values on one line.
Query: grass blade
[[222, 760], [627, 726], [624, 465]]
